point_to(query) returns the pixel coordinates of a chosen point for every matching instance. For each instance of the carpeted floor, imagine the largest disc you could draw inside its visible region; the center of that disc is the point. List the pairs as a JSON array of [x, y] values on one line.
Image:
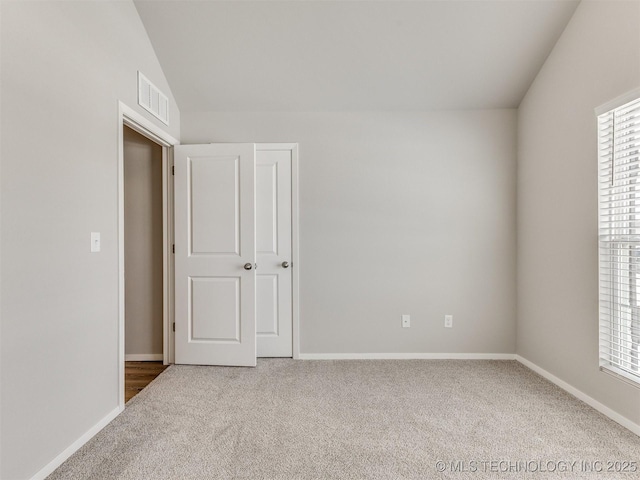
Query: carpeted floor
[[369, 419]]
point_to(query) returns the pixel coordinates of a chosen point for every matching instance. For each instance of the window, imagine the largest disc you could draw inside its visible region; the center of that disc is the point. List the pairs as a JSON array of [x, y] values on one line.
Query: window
[[619, 239]]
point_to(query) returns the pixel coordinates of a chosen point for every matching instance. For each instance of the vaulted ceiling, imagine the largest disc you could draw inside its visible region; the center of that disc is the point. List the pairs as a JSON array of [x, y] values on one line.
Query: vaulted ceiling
[[306, 55]]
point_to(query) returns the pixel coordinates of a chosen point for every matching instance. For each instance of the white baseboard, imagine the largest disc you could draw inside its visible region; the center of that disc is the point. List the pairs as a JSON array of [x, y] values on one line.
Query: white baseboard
[[143, 357], [580, 395], [407, 356], [75, 446]]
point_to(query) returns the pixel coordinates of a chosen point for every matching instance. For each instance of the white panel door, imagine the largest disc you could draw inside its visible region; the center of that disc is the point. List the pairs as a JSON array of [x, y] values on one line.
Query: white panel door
[[273, 245], [215, 277]]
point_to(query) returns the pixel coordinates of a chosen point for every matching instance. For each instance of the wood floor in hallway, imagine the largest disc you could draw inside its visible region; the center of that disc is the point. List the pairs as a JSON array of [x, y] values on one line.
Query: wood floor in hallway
[[138, 375]]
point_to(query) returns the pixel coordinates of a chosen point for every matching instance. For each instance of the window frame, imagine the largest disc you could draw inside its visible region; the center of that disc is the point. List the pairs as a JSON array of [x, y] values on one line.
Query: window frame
[[606, 366]]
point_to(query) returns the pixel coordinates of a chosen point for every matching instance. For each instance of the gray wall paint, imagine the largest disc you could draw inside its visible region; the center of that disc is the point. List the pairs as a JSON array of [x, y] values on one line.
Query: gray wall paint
[[64, 65], [596, 60], [142, 244], [399, 213]]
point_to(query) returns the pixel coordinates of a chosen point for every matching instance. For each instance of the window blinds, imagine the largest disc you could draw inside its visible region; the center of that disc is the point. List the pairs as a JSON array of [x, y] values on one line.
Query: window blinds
[[619, 239]]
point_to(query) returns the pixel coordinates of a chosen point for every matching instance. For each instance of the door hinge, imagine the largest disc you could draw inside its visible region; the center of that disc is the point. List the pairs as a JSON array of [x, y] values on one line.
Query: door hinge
[[173, 248], [174, 326], [173, 170]]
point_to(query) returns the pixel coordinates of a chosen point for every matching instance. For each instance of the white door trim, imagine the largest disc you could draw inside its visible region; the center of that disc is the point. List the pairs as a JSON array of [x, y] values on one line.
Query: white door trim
[[295, 235], [132, 119]]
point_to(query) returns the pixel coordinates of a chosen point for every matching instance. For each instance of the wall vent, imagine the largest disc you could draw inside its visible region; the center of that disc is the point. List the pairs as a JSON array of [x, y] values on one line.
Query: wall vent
[[152, 99]]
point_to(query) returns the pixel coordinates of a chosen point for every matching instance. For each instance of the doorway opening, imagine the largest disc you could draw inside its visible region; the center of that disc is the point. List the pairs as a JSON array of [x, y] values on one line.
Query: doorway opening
[[143, 261], [145, 264]]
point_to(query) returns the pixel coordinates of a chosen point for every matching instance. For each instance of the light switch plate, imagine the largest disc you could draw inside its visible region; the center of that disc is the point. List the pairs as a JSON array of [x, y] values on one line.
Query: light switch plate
[[406, 321], [95, 242]]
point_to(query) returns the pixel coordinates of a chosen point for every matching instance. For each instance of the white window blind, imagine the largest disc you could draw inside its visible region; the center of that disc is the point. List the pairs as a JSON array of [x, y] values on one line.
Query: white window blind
[[619, 239]]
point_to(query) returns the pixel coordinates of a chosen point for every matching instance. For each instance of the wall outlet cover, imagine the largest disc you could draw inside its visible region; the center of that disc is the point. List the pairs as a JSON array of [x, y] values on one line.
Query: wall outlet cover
[[448, 321]]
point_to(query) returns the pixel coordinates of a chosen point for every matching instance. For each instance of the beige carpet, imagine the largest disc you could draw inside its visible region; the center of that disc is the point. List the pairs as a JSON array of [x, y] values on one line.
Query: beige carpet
[[382, 419]]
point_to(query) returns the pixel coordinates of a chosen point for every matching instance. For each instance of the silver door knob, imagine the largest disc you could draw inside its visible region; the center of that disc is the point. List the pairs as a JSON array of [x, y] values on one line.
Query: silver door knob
[[285, 264], [248, 266]]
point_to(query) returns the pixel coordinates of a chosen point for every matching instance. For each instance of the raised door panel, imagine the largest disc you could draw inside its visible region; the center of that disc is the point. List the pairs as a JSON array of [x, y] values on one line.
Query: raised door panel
[[267, 207], [267, 300], [214, 316], [214, 212]]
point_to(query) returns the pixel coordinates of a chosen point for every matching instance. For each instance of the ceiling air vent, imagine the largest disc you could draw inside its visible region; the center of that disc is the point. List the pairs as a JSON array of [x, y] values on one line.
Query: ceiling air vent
[[152, 99]]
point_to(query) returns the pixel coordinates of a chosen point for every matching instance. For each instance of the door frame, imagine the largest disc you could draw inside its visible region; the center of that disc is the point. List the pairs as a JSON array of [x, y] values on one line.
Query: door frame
[[295, 236], [132, 119]]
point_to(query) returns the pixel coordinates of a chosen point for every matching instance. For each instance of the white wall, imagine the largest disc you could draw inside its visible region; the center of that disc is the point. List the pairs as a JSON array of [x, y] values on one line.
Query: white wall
[[399, 213], [64, 67], [596, 59], [143, 243]]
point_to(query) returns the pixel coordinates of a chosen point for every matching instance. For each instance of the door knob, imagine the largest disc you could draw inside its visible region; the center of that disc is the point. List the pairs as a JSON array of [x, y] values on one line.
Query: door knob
[[285, 264], [248, 266]]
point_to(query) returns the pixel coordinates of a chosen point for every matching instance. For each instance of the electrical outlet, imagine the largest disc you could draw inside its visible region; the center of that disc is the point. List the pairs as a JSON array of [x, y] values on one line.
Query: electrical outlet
[[448, 321], [406, 321]]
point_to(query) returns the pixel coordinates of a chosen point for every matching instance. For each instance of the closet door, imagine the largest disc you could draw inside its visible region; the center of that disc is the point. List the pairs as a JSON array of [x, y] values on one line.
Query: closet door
[[273, 245], [215, 254]]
